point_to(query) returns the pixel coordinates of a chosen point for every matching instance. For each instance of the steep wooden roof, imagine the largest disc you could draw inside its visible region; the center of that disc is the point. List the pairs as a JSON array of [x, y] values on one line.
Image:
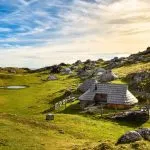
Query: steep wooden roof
[[116, 93]]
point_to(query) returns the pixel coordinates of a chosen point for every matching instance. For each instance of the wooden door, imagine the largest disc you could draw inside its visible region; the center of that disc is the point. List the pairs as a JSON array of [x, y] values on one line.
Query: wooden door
[[100, 98]]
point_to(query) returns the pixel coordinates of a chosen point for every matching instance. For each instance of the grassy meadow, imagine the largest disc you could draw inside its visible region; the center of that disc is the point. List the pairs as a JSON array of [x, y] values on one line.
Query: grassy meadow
[[22, 119]]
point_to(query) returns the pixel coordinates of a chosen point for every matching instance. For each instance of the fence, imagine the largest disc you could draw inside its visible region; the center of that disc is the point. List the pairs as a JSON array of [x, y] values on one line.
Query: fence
[[63, 102]]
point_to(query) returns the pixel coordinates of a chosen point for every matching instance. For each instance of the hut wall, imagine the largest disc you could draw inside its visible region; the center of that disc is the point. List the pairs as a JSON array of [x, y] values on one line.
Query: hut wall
[[84, 103], [118, 106]]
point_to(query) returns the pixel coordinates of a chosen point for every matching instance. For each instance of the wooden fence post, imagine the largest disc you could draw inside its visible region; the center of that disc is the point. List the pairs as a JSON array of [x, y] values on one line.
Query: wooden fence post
[[101, 110], [65, 104]]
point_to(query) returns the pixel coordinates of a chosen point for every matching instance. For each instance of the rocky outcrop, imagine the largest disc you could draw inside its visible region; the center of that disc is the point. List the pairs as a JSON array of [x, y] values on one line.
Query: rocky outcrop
[[66, 71], [99, 71], [86, 85], [107, 76], [136, 135], [139, 81], [55, 69], [82, 73], [52, 77], [132, 59], [78, 62], [145, 133], [129, 137], [132, 116]]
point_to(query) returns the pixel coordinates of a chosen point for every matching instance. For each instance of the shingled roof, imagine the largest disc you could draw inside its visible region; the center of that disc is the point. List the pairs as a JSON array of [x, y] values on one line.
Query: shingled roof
[[116, 94]]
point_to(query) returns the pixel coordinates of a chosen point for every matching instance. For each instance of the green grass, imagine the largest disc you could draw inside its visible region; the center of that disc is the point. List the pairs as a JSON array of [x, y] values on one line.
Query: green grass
[[23, 125], [125, 70]]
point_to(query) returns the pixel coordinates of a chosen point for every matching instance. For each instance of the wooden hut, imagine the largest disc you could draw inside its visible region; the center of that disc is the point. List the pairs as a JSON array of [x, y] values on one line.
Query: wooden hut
[[114, 95]]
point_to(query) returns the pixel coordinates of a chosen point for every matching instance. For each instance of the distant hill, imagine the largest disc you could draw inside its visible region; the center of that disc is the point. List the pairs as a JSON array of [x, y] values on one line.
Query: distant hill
[[116, 62]]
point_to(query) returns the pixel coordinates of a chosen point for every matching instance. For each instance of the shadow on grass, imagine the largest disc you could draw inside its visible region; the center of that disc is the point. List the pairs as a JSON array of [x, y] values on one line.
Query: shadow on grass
[[73, 108], [130, 124]]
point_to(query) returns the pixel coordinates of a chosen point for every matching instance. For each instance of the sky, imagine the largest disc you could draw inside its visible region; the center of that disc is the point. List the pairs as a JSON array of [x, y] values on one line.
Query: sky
[[38, 33]]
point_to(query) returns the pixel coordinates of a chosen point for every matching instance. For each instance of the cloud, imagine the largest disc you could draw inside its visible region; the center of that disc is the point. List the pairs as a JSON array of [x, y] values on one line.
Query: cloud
[[5, 30], [45, 29]]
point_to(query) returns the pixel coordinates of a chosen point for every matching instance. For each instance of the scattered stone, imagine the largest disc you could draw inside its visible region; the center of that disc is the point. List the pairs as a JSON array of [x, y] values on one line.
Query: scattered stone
[[136, 79], [86, 85], [52, 77], [107, 76], [66, 71], [62, 64], [49, 117], [129, 137], [12, 71], [132, 116], [78, 62], [55, 69], [99, 71], [83, 73], [145, 133]]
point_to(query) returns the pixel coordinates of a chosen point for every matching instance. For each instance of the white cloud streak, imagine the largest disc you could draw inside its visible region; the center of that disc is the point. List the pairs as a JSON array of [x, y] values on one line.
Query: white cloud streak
[[80, 27]]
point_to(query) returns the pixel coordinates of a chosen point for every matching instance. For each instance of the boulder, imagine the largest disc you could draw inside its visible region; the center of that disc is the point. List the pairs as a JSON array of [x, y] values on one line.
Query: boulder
[[86, 85], [88, 61], [99, 71], [139, 81], [52, 77], [78, 62], [107, 76], [145, 133], [62, 64], [132, 116], [66, 71], [129, 137], [49, 117], [82, 73], [55, 69]]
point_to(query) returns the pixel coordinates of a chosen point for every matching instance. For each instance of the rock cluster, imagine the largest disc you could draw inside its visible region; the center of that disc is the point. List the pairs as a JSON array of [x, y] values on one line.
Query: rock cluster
[[145, 133], [128, 137], [86, 85], [139, 81], [66, 71], [52, 77], [107, 76], [55, 69], [132, 116], [136, 135], [134, 58]]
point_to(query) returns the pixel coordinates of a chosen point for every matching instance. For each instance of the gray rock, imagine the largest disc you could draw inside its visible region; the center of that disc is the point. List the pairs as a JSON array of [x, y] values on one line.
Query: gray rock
[[128, 137], [132, 116], [52, 77], [86, 85], [66, 71], [145, 133], [49, 117], [99, 71], [107, 76], [83, 73]]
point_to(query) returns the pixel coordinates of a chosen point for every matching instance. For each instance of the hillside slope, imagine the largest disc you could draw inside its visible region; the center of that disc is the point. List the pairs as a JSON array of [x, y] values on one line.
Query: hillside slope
[[22, 112]]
